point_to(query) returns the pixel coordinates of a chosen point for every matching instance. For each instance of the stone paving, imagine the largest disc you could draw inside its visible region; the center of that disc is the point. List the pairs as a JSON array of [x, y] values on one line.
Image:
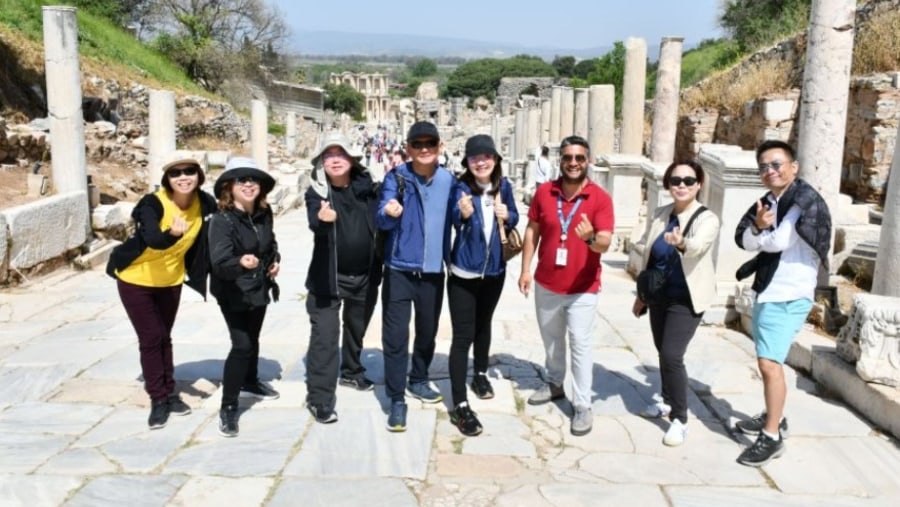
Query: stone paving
[[73, 416]]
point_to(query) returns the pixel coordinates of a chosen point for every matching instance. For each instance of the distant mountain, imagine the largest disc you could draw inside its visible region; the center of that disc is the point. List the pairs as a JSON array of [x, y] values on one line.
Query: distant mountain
[[345, 43]]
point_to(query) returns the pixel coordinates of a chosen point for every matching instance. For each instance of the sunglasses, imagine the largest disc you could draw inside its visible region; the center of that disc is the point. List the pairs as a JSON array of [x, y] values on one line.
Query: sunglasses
[[418, 145], [244, 180], [577, 158], [335, 154], [676, 181], [185, 171], [774, 165]]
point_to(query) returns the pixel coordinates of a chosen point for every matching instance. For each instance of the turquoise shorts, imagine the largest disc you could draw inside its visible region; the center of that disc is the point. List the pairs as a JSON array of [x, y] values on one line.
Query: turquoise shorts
[[775, 325]]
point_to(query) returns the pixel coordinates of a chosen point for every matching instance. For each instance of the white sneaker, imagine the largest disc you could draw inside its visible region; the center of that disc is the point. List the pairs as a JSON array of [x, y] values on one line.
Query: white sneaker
[[656, 411], [676, 434]]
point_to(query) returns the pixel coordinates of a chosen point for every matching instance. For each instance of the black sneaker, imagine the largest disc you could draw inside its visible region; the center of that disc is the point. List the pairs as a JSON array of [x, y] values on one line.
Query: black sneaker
[[259, 391], [159, 414], [322, 414], [358, 383], [764, 450], [228, 421], [755, 425], [397, 419], [481, 386], [178, 407], [465, 421]]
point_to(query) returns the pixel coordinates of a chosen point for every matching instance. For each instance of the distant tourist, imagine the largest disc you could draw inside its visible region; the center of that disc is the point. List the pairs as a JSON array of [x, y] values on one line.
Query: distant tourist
[[169, 242], [543, 169]]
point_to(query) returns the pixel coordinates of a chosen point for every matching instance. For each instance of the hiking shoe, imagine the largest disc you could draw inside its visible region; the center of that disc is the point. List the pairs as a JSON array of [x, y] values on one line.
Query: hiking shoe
[[755, 425], [582, 421], [358, 383], [676, 433], [423, 391], [259, 391], [465, 421], [656, 411], [764, 450], [159, 414], [546, 394], [397, 419], [481, 386], [322, 414], [178, 407], [228, 421]]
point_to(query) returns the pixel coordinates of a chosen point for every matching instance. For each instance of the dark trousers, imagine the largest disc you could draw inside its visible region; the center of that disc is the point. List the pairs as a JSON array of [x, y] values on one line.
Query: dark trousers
[[242, 363], [472, 303], [673, 325], [401, 291], [152, 312], [325, 316]]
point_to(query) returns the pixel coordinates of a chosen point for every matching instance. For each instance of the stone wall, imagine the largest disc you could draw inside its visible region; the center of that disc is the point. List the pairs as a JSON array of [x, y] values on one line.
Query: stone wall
[[514, 86], [21, 142]]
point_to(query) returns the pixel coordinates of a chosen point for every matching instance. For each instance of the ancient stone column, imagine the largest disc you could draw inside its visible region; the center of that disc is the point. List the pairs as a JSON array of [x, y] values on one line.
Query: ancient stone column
[[534, 130], [520, 134], [602, 119], [495, 130], [665, 105], [64, 100], [259, 133], [555, 110], [886, 279], [582, 112], [632, 135], [546, 106], [290, 140], [566, 112], [823, 103], [161, 140]]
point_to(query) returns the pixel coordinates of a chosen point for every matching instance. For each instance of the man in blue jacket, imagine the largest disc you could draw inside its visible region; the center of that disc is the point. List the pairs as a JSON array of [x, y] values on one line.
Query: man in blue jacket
[[414, 214]]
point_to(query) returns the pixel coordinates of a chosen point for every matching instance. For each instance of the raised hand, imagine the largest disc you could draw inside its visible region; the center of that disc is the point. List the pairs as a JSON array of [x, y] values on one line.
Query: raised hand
[[584, 229], [179, 226], [501, 211], [465, 206], [765, 217], [673, 238], [327, 213], [393, 208]]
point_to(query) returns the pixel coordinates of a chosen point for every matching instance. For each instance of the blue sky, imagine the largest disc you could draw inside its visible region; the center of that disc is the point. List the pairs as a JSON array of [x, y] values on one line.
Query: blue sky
[[564, 24]]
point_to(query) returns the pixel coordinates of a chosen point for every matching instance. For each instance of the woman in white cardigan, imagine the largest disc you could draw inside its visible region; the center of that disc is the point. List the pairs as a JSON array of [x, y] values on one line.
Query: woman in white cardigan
[[685, 255]]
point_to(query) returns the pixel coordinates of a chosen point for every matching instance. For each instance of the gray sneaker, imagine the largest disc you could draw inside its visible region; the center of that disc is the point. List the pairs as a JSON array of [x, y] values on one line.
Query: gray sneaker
[[546, 394], [583, 421]]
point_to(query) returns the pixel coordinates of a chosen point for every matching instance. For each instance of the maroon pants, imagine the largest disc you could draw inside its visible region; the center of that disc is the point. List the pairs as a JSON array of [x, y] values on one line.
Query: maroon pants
[[152, 312]]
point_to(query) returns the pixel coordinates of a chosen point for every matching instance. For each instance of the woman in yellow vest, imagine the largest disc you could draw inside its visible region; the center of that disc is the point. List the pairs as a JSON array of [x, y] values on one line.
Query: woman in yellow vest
[[168, 249]]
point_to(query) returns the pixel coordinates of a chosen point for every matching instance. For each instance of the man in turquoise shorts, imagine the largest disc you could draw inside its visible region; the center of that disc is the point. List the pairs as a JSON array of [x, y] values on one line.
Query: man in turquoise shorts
[[791, 228]]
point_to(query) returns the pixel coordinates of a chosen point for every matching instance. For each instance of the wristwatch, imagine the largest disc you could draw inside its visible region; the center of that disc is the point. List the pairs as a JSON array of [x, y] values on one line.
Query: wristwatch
[[590, 241]]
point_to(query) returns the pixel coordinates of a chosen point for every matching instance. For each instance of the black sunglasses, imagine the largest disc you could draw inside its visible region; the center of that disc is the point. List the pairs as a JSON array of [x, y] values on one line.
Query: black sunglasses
[[418, 145], [185, 171], [577, 158], [243, 180], [676, 181]]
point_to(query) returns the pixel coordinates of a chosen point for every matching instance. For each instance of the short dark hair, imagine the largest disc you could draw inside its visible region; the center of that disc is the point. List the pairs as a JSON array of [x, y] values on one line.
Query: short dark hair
[[576, 140], [773, 144], [693, 164]]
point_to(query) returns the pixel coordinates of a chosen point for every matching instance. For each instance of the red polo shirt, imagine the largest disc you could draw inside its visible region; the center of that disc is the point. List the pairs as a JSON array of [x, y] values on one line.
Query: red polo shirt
[[582, 270]]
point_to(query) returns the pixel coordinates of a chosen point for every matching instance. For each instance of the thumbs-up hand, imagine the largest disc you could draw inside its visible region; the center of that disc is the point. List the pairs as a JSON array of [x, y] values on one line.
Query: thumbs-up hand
[[327, 213], [674, 238], [765, 217], [584, 229], [465, 206], [501, 211]]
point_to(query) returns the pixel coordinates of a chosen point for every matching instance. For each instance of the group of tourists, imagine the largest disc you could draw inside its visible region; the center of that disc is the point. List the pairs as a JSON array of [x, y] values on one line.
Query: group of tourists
[[423, 228]]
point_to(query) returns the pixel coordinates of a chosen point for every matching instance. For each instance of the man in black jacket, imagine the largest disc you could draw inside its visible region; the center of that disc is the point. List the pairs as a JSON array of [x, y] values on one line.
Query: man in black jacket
[[345, 270], [791, 228]]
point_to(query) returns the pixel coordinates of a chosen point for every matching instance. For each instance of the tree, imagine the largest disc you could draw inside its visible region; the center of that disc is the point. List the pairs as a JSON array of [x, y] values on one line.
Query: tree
[[423, 67], [342, 98], [610, 69], [755, 23], [584, 67], [482, 77], [564, 65]]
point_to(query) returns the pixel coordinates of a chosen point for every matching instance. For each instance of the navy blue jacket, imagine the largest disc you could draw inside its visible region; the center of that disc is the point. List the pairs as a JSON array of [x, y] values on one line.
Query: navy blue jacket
[[470, 251]]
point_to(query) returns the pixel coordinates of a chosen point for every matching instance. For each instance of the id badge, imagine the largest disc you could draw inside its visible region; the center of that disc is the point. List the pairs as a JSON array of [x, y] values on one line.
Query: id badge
[[561, 254]]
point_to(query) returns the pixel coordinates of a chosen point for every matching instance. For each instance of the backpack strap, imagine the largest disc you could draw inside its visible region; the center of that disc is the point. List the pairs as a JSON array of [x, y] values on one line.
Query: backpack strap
[[687, 227]]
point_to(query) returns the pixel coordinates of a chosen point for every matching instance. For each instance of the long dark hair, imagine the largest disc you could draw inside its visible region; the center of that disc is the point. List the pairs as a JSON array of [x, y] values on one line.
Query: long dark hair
[[496, 175]]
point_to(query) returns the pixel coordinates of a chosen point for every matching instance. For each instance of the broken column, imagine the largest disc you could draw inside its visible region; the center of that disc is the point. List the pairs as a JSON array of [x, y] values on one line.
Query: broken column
[[665, 104], [631, 139], [520, 134], [602, 119], [534, 130], [259, 133], [555, 110], [566, 112], [582, 111], [546, 106], [162, 133], [886, 280], [290, 139]]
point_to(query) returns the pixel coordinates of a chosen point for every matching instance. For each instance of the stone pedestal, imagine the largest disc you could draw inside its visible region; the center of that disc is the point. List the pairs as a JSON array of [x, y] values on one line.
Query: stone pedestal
[[623, 182], [632, 136], [582, 113], [602, 119], [871, 339], [259, 133], [665, 104], [566, 112], [555, 105], [162, 133]]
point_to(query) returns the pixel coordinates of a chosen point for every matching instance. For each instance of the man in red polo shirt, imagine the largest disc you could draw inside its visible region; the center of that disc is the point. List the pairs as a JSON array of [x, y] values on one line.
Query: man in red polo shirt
[[570, 223]]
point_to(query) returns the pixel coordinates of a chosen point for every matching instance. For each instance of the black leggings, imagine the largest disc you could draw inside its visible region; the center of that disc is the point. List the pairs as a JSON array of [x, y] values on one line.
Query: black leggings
[[673, 325], [241, 366]]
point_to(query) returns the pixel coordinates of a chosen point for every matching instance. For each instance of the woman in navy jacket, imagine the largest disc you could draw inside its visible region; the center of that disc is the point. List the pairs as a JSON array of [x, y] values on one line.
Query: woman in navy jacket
[[477, 271]]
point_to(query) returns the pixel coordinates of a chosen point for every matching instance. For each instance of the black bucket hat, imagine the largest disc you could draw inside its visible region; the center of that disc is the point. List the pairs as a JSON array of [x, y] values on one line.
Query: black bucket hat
[[480, 144], [239, 167]]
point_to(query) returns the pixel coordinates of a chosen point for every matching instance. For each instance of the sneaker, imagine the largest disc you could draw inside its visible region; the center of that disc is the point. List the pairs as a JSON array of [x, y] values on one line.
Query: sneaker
[[259, 391], [322, 414], [159, 414], [656, 411], [546, 394], [397, 420], [676, 433], [178, 407], [422, 391], [481, 386], [360, 383], [764, 450], [465, 421], [755, 425], [583, 421], [228, 421]]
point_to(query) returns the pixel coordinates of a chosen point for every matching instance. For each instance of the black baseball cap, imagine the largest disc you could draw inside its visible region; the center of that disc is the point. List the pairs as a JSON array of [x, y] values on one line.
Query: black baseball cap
[[423, 129]]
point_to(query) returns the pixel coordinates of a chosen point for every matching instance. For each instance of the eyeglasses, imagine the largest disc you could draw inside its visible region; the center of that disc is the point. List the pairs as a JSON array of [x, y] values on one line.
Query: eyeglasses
[[419, 145], [676, 181], [244, 180], [775, 165], [185, 171], [577, 158]]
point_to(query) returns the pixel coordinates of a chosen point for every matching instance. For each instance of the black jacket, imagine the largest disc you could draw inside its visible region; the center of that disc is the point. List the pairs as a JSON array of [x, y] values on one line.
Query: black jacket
[[322, 277], [147, 214], [232, 234], [813, 227]]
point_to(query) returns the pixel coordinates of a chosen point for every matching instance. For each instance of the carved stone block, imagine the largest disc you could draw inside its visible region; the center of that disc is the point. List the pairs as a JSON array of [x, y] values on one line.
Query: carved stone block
[[871, 339]]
